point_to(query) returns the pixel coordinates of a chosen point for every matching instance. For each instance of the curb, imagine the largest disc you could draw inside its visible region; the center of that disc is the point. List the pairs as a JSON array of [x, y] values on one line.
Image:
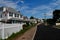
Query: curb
[[35, 32]]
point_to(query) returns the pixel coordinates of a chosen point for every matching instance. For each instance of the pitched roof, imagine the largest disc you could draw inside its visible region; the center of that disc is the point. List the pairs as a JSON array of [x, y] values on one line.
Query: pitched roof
[[9, 9]]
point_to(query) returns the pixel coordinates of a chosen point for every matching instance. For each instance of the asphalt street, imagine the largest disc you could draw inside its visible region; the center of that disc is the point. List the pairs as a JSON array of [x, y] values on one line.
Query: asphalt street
[[47, 33]]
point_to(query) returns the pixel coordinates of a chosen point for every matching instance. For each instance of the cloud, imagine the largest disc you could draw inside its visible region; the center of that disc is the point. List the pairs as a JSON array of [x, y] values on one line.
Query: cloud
[[38, 10], [55, 4], [10, 3], [22, 1], [41, 9]]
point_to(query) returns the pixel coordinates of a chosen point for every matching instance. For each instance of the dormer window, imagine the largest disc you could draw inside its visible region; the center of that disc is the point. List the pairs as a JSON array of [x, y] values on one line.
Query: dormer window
[[16, 15], [10, 14], [21, 16]]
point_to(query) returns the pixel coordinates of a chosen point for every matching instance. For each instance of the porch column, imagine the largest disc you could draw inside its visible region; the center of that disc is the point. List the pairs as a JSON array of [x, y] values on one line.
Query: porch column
[[3, 31]]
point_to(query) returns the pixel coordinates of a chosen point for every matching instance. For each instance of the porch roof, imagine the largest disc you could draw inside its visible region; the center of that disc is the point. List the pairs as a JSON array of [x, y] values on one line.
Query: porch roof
[[15, 19]]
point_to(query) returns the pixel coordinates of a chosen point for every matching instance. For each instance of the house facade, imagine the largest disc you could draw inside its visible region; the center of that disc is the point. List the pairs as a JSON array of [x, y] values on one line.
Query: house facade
[[11, 21], [36, 20], [10, 15]]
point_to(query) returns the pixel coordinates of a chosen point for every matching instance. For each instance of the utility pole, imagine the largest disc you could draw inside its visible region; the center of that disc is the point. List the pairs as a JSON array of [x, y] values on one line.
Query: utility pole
[[45, 17]]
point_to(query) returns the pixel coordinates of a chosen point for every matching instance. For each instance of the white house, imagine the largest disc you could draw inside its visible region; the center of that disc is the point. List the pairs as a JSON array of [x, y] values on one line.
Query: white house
[[36, 20], [33, 20], [11, 21], [10, 15]]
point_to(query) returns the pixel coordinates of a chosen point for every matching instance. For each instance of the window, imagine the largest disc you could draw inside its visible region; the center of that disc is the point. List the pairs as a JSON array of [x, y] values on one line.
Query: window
[[1, 16], [16, 15], [1, 9], [21, 16], [10, 14]]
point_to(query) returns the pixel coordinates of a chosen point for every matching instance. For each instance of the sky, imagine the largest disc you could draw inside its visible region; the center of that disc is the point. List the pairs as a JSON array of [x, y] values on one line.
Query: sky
[[36, 8]]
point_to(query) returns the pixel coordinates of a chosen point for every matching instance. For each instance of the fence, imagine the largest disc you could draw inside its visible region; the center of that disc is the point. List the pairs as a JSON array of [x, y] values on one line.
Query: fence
[[7, 29]]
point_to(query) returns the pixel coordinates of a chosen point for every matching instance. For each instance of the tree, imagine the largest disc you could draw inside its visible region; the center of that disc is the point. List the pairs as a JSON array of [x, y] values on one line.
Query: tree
[[31, 17], [56, 15]]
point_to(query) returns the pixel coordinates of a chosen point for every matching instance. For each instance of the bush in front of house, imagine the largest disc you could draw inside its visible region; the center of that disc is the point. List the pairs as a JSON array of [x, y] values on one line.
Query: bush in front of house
[[27, 25]]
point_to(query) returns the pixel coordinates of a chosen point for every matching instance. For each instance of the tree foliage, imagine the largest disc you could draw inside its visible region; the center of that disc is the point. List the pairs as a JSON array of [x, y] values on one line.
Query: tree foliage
[[31, 17]]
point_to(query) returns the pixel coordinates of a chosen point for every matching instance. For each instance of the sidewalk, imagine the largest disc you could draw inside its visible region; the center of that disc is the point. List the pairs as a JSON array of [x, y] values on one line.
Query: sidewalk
[[28, 35]]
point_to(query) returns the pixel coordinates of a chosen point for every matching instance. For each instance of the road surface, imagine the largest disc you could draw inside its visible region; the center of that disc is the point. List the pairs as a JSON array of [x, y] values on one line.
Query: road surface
[[47, 33]]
